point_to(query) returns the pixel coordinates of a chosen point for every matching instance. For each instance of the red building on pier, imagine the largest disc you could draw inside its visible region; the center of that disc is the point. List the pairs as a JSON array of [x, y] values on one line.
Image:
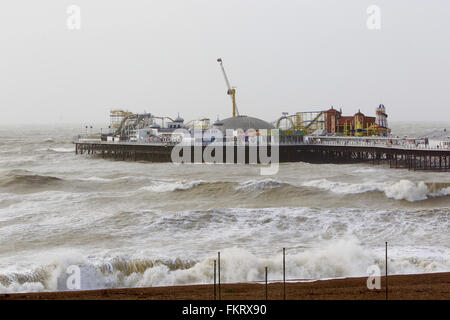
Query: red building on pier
[[358, 124]]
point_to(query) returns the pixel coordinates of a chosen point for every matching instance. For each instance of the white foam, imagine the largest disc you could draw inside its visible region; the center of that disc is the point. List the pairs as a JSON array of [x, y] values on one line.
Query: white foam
[[125, 179], [398, 190], [58, 150], [63, 150], [406, 190], [332, 259], [162, 186], [341, 187], [441, 193], [22, 287], [259, 184], [96, 179]]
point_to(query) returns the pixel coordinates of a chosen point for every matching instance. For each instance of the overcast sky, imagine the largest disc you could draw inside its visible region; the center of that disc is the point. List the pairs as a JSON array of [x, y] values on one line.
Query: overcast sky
[[160, 57]]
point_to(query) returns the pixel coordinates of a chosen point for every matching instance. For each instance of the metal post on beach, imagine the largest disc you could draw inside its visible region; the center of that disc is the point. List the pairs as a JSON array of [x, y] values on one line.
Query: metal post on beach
[[218, 269], [386, 278], [284, 273], [266, 283], [215, 294]]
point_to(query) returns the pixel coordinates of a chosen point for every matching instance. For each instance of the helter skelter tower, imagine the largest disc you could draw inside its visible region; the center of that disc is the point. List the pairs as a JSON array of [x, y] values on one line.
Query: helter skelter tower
[[381, 119]]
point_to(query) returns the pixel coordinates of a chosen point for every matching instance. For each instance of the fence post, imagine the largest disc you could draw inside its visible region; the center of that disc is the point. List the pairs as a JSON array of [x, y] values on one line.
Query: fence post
[[215, 280], [266, 283], [218, 261], [386, 278], [284, 273]]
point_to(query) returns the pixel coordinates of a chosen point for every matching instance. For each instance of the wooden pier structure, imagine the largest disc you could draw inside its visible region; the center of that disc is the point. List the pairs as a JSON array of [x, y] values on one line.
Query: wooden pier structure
[[411, 158]]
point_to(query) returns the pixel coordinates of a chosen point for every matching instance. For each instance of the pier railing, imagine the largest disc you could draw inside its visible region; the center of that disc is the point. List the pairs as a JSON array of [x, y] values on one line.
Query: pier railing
[[377, 142], [397, 143]]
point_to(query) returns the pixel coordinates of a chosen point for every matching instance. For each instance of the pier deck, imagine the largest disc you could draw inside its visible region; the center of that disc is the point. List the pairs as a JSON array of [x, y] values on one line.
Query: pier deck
[[409, 156]]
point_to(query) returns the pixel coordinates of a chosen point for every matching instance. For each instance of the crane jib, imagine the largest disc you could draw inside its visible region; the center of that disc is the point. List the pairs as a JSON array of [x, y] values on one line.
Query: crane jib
[[231, 91]]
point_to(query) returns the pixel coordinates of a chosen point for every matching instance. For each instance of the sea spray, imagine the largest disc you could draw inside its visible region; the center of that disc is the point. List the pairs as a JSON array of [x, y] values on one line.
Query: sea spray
[[398, 190], [333, 259], [406, 190]]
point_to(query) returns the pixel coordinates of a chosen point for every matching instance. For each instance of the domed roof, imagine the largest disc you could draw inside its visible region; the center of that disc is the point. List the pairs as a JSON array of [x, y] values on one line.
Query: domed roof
[[245, 123]]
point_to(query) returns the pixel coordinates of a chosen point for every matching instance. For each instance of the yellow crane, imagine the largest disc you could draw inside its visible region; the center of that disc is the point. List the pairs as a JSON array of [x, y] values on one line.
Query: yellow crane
[[231, 91]]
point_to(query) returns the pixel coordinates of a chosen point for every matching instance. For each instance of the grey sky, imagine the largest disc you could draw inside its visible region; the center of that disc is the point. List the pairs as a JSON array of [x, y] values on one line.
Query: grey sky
[[160, 56]]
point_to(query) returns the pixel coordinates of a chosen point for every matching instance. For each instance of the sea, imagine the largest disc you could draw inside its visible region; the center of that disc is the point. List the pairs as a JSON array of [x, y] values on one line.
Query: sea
[[140, 224]]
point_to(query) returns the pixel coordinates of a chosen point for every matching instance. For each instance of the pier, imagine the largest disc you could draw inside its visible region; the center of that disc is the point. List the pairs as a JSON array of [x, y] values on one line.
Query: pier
[[411, 154]]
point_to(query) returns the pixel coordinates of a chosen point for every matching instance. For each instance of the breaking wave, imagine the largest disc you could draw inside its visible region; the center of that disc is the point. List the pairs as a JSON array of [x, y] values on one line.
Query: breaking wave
[[183, 185], [398, 190], [172, 186], [23, 180], [265, 184], [335, 259], [57, 150], [62, 150]]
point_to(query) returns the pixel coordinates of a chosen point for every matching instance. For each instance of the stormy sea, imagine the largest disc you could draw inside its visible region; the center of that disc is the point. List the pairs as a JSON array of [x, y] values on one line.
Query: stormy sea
[[136, 224]]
